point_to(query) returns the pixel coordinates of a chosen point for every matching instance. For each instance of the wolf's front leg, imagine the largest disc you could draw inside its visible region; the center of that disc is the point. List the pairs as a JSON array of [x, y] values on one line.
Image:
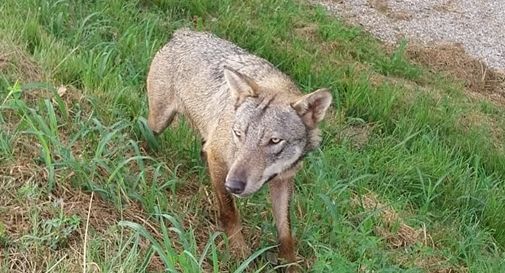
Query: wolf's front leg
[[280, 192], [228, 213]]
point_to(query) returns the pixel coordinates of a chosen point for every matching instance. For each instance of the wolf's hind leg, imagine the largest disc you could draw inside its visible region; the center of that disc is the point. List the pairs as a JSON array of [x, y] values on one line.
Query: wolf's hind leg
[[161, 97], [160, 116]]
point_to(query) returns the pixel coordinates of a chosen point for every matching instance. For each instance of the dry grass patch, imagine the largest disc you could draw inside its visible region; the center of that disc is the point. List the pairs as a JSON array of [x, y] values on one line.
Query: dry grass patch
[[393, 229], [17, 63], [358, 135], [452, 60], [383, 7], [432, 263], [476, 119], [308, 31], [401, 237], [41, 228], [449, 6]]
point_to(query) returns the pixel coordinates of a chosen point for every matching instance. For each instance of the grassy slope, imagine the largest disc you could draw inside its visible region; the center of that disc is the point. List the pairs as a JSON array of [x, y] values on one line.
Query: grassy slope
[[431, 153]]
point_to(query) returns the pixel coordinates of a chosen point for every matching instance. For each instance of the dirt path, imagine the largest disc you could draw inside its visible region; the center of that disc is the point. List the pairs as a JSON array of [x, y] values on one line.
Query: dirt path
[[478, 26]]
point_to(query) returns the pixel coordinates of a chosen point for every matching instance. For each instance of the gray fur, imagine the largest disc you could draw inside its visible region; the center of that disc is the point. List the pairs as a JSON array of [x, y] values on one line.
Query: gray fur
[[220, 88]]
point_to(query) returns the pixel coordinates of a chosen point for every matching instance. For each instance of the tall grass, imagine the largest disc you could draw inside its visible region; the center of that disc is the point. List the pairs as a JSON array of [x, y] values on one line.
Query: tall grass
[[421, 156]]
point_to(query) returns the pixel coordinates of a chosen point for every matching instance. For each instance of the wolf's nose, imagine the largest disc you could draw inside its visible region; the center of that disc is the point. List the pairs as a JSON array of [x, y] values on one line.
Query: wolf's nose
[[236, 187]]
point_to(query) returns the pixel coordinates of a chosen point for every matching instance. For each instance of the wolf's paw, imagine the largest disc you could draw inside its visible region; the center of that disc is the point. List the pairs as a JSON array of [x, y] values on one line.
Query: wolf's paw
[[239, 248], [282, 264]]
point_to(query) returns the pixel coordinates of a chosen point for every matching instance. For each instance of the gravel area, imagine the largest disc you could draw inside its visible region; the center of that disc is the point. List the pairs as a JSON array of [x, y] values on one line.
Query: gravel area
[[477, 25]]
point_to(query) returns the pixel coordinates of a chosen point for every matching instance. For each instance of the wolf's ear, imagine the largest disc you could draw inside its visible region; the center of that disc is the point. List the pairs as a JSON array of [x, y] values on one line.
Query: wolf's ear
[[312, 107], [241, 86]]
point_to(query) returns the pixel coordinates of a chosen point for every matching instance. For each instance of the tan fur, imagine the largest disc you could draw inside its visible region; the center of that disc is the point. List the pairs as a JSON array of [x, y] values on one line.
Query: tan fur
[[254, 121]]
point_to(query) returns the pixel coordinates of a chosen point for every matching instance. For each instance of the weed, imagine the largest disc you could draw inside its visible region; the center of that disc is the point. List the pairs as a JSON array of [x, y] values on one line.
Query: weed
[[423, 155]]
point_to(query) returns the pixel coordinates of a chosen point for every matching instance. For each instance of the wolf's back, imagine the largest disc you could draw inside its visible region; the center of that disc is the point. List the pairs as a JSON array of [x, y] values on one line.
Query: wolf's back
[[189, 70]]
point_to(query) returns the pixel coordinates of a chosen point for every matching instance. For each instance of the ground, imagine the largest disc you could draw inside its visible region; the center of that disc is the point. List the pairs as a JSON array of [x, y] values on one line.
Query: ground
[[475, 26], [409, 177]]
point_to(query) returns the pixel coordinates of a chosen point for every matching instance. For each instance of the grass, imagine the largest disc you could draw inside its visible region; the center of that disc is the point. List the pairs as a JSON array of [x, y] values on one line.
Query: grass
[[72, 94]]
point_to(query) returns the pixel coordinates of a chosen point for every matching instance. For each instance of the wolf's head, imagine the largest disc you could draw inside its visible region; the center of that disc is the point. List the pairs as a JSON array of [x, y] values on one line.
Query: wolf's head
[[272, 131]]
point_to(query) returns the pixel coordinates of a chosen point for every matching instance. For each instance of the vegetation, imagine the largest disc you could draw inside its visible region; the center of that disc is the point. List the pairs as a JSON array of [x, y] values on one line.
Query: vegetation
[[409, 177]]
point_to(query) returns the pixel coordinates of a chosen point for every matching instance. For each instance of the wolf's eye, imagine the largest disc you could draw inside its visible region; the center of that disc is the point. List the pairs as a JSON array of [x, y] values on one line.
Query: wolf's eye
[[237, 133], [275, 140]]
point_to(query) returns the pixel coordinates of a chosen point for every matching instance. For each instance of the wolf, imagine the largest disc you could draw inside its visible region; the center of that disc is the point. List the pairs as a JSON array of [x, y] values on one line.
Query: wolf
[[255, 123]]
